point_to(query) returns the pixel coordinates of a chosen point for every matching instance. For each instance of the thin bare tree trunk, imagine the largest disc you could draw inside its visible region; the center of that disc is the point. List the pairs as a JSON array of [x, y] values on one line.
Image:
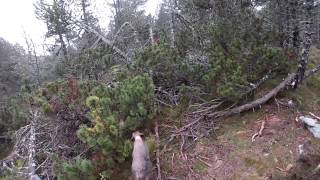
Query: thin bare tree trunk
[[30, 50], [151, 36], [63, 46], [172, 24]]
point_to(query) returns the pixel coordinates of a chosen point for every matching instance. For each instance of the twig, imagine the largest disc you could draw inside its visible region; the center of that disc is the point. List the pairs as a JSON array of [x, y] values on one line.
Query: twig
[[208, 108], [189, 125], [281, 169], [260, 131], [276, 100], [253, 138], [182, 144], [169, 141], [172, 158], [313, 115], [262, 128], [206, 163], [161, 102], [316, 170]]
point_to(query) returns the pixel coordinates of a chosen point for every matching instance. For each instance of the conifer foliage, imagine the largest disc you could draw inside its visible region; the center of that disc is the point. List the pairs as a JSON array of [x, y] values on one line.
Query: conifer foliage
[[115, 113]]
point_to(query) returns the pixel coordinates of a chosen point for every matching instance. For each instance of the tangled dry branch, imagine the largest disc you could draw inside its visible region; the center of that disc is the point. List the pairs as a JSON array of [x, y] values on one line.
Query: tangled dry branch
[[39, 143]]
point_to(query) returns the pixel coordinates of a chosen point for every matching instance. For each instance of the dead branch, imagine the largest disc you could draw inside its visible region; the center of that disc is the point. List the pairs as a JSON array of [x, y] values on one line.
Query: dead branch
[[262, 128], [167, 97], [104, 39], [258, 84], [206, 163], [255, 103], [316, 170], [312, 71], [135, 34], [156, 129]]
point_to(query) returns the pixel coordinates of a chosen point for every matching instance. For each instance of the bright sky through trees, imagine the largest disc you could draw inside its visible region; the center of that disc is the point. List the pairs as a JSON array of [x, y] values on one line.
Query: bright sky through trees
[[17, 17]]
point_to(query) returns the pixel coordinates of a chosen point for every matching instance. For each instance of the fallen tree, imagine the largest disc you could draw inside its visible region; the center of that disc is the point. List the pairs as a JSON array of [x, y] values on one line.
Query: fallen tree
[[255, 103], [199, 125]]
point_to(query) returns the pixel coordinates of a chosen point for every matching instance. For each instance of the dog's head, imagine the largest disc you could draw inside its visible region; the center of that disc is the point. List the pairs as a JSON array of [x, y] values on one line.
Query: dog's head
[[136, 134]]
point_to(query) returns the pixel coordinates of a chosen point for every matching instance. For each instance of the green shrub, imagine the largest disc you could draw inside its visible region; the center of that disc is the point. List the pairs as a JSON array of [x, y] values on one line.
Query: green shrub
[[89, 64], [80, 169], [115, 113], [167, 68], [14, 114], [237, 62]]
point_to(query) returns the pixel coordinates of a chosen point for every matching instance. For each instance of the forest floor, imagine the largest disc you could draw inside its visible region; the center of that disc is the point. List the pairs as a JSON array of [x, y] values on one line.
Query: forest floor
[[230, 153]]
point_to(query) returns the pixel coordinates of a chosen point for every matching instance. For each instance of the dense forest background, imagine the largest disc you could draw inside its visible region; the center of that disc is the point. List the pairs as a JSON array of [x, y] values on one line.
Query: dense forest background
[[70, 114]]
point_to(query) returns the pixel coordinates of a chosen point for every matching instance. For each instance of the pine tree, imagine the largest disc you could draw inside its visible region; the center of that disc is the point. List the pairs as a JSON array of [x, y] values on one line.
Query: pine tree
[[58, 18], [115, 114]]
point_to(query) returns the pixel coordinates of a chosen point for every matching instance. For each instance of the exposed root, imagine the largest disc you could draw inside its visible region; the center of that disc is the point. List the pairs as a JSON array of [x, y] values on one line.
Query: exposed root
[[260, 131]]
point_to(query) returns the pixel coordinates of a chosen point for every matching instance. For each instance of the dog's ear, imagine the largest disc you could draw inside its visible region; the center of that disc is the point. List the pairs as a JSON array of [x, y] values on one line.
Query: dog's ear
[[140, 134], [133, 135]]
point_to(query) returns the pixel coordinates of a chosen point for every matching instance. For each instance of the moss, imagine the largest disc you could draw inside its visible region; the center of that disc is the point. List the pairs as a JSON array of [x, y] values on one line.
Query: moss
[[241, 176], [258, 164], [151, 143], [306, 98], [316, 144], [249, 161], [200, 167], [19, 163], [277, 175], [45, 107]]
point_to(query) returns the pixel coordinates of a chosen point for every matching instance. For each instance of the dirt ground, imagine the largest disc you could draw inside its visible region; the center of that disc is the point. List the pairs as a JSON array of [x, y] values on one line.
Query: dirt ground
[[232, 154]]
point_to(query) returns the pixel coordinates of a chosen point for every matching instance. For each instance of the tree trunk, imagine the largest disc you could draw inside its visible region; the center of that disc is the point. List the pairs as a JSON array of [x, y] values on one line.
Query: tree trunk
[[63, 46], [172, 24], [306, 42], [151, 36]]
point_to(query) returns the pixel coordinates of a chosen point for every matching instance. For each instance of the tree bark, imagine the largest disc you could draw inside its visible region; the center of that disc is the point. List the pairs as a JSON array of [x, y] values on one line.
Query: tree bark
[[306, 42]]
